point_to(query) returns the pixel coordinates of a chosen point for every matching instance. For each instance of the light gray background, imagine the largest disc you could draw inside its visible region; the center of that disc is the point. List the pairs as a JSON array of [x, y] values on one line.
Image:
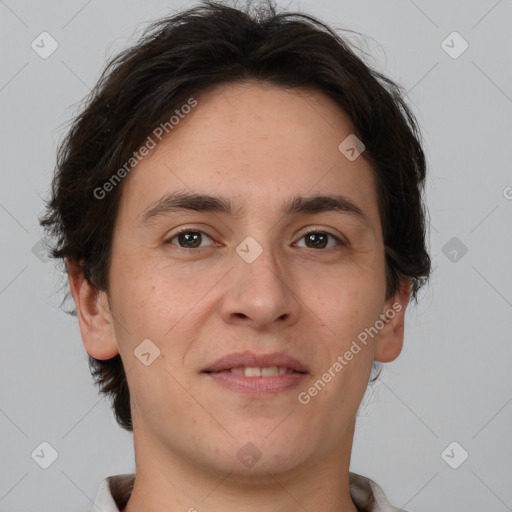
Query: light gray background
[[452, 381]]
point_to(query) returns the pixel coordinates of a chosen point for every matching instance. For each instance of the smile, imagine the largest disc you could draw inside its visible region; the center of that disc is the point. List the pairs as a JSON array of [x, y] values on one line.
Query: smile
[[268, 371]]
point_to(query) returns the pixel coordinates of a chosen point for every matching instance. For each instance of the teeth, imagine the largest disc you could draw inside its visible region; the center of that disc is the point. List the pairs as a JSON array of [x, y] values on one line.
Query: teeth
[[270, 371], [252, 372]]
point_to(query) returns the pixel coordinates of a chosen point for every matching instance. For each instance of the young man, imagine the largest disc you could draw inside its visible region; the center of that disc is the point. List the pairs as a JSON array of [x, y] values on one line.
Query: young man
[[239, 207]]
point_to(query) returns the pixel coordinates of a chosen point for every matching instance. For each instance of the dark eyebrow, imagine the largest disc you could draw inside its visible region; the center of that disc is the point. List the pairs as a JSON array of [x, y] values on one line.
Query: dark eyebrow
[[183, 201]]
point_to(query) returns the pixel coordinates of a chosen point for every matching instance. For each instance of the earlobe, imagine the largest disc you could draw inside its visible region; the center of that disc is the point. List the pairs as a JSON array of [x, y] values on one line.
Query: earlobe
[[94, 316], [391, 337]]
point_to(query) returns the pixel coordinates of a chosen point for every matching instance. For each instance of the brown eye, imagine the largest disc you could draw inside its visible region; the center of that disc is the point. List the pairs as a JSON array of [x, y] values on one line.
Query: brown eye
[[188, 239], [319, 239]]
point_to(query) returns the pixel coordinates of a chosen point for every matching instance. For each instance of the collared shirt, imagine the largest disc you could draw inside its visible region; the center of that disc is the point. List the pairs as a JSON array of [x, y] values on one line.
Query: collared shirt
[[115, 491]]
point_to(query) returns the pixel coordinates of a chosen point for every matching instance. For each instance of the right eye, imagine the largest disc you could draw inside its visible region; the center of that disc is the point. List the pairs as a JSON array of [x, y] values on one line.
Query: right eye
[[188, 239]]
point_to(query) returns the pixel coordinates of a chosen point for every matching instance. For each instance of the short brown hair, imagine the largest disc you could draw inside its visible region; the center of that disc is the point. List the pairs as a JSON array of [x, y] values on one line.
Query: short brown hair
[[189, 53]]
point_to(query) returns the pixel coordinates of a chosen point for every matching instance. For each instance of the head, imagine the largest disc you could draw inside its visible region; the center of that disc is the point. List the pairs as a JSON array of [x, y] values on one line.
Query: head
[[258, 111]]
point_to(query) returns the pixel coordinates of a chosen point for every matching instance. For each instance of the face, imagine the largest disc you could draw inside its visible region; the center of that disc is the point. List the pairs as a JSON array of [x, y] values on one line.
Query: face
[[303, 284]]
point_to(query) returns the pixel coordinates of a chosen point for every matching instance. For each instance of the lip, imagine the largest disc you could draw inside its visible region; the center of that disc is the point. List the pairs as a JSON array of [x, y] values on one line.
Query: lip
[[252, 359], [257, 386]]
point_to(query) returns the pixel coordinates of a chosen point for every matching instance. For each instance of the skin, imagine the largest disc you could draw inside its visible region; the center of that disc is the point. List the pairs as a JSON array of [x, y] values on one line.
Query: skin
[[258, 145]]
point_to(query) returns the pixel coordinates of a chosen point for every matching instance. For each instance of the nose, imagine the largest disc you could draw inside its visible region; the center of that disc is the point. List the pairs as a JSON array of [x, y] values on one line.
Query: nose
[[260, 292]]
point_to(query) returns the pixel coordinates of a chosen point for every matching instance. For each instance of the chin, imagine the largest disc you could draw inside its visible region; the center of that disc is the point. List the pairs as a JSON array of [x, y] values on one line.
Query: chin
[[267, 450]]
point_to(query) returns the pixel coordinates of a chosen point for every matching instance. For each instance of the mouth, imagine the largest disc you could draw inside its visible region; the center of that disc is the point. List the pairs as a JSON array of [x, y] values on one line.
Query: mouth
[[257, 375], [255, 371]]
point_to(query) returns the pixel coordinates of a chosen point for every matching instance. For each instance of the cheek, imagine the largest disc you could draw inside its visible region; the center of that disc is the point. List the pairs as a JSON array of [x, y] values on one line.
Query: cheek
[[137, 287], [155, 302], [345, 302]]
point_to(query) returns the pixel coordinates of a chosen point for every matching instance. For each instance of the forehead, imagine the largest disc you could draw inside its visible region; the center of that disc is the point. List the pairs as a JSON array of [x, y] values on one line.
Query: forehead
[[257, 144]]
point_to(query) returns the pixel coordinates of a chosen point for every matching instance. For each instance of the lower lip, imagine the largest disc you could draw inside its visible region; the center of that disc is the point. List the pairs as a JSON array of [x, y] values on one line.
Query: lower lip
[[257, 385]]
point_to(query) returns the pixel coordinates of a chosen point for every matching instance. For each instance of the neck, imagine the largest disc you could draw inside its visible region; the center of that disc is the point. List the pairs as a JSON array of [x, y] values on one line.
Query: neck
[[171, 481]]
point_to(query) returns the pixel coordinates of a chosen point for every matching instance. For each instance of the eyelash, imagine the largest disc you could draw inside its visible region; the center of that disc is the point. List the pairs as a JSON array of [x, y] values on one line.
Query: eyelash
[[192, 249]]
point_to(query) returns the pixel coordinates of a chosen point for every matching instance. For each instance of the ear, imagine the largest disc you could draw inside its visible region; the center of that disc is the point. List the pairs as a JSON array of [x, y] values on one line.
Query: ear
[[94, 316], [391, 337]]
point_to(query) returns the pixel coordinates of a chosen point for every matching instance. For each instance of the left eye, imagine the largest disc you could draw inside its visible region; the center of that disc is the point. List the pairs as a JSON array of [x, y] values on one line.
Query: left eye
[[318, 239], [189, 239]]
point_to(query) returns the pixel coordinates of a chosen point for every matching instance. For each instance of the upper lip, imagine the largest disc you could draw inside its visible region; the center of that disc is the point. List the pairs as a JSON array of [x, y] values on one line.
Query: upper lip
[[251, 359]]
